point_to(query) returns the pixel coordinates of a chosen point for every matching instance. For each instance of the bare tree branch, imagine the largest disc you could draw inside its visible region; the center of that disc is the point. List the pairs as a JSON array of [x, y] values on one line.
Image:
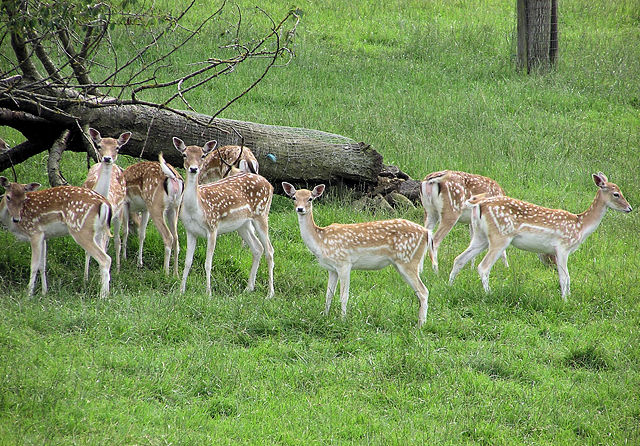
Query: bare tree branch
[[53, 163]]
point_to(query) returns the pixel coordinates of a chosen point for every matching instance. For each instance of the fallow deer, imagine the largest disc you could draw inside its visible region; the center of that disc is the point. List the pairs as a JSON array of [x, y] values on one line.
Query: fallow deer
[[237, 203], [443, 195], [156, 192], [37, 215], [225, 161], [341, 248], [501, 221], [107, 178]]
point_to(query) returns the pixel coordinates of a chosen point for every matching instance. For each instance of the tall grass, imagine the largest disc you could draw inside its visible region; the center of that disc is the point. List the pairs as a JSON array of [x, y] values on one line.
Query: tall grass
[[431, 85]]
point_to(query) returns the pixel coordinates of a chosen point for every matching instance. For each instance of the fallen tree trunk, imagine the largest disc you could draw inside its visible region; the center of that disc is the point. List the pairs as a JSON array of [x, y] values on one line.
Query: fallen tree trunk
[[284, 153]]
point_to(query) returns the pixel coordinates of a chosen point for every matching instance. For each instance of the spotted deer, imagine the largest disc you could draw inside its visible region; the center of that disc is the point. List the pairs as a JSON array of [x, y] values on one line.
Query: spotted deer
[[36, 215], [237, 203], [155, 191], [374, 245], [225, 161], [443, 195], [502, 221], [107, 178]]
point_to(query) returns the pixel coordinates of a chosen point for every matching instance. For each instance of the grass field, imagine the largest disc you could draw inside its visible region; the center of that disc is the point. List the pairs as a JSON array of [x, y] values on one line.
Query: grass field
[[431, 85]]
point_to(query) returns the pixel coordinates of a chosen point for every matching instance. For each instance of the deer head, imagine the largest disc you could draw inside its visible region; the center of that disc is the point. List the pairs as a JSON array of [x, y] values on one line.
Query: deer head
[[15, 195]]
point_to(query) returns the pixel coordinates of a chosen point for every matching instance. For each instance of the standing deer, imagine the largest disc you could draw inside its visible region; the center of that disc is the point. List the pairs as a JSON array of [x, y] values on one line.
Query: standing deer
[[501, 221], [107, 178], [156, 192], [340, 248], [238, 203], [443, 196], [35, 216], [225, 161]]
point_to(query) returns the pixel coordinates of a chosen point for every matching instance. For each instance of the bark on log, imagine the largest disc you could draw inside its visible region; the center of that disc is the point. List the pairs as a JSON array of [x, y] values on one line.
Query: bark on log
[[284, 153]]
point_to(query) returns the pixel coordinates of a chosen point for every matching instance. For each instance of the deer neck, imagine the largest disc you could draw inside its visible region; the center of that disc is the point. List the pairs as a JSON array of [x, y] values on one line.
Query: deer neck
[[191, 197], [310, 233], [4, 213], [591, 218], [104, 179]]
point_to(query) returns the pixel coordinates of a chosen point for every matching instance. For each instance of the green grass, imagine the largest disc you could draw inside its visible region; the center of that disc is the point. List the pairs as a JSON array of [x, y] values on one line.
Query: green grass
[[431, 85]]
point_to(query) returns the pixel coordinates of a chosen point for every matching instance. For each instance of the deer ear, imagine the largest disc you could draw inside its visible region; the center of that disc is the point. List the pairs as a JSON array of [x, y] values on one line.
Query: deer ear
[[317, 191], [253, 165], [124, 138], [31, 187], [209, 146], [95, 135], [600, 179], [244, 166], [288, 189], [179, 144], [4, 182]]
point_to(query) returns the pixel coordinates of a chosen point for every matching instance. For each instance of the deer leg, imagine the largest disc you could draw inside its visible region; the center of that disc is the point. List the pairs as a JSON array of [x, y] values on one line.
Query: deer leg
[[43, 267], [344, 275], [36, 260], [211, 246], [261, 226], [496, 249], [444, 228], [93, 246], [331, 290], [563, 273], [125, 229], [157, 215], [142, 234], [116, 239], [172, 224], [247, 234], [188, 260], [479, 243], [411, 275]]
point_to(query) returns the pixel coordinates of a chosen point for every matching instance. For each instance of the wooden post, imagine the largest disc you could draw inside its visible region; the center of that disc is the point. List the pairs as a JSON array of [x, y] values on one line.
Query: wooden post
[[537, 33]]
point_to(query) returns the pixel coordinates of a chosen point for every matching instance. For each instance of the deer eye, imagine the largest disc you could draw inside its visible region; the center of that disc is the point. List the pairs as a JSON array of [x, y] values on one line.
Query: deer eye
[[8, 198], [310, 200], [616, 195], [184, 155]]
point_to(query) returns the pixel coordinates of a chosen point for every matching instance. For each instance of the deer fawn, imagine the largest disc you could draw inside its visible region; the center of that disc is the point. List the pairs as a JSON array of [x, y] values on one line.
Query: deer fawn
[[225, 161], [501, 221], [340, 248], [443, 195], [36, 216], [238, 203], [156, 192], [107, 179]]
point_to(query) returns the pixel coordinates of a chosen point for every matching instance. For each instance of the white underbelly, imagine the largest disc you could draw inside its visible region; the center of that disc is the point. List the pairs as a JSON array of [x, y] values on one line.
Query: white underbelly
[[137, 204], [535, 242], [194, 226], [364, 262], [56, 229], [229, 225], [370, 262], [465, 217]]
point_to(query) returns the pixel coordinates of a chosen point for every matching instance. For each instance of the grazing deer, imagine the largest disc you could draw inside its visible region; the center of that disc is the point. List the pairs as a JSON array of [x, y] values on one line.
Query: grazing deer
[[238, 203], [36, 216], [340, 248], [501, 221], [154, 190], [225, 161], [107, 178], [443, 196]]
